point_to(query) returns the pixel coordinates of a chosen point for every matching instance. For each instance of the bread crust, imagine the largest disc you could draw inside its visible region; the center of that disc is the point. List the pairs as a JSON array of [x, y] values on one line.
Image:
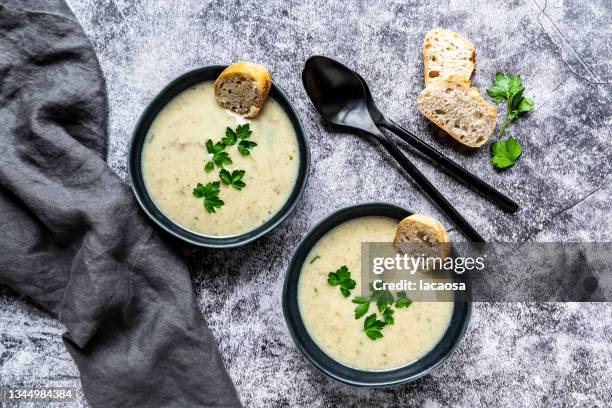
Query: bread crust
[[427, 54], [421, 222], [250, 70], [453, 80]]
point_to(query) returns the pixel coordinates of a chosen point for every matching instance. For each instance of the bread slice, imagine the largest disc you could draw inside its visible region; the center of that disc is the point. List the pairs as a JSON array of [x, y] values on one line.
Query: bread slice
[[458, 109], [420, 234], [446, 54], [243, 88]]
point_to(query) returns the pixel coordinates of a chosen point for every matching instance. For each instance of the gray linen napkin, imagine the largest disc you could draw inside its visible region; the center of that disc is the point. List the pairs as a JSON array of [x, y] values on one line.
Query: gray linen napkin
[[72, 237]]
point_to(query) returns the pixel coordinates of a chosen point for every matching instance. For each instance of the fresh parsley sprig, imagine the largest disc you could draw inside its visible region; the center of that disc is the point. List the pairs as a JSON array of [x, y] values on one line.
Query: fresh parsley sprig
[[388, 316], [219, 156], [402, 300], [510, 88], [384, 300], [245, 147], [364, 305], [210, 194], [242, 133], [233, 179], [342, 278], [504, 153], [372, 327]]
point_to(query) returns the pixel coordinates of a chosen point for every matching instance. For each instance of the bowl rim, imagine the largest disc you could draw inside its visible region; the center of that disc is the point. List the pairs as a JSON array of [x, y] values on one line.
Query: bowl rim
[[322, 227], [167, 93]]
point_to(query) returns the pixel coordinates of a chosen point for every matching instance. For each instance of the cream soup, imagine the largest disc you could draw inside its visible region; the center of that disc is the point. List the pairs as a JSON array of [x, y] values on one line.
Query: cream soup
[[329, 317], [174, 156]]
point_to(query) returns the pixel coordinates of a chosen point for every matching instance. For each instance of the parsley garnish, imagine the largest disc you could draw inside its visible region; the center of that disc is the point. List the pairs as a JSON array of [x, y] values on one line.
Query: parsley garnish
[[383, 298], [240, 135], [210, 193], [504, 153], [388, 316], [222, 159], [233, 179], [342, 278], [384, 301], [210, 166], [510, 88], [402, 300], [364, 305], [219, 156], [245, 146], [372, 327], [230, 137], [314, 259], [243, 131]]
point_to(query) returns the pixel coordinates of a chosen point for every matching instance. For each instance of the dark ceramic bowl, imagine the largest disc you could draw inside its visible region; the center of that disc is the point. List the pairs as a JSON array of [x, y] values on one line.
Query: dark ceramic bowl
[[210, 73], [442, 351]]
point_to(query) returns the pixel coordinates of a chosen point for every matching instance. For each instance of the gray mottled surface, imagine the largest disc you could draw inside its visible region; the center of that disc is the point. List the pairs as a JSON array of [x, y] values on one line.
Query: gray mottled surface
[[513, 354]]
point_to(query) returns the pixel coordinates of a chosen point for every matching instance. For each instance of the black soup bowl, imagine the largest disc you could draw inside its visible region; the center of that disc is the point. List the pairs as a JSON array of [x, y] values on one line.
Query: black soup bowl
[[348, 375], [185, 81]]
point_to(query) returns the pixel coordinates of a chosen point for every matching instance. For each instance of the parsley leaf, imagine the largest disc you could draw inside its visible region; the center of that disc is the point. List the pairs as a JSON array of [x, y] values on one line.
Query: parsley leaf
[[510, 88], [383, 298], [233, 179], [243, 131], [214, 148], [245, 146], [230, 137], [373, 326], [504, 153], [364, 305], [210, 193], [222, 159], [210, 166], [342, 278], [314, 259], [504, 87], [402, 300], [388, 316], [219, 156]]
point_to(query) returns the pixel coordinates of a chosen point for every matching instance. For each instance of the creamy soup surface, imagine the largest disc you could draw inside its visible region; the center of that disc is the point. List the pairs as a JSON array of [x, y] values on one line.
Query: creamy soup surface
[[329, 317], [174, 156]]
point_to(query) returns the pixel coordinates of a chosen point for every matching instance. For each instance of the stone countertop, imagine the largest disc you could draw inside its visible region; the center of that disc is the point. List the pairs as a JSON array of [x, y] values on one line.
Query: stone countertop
[[549, 354]]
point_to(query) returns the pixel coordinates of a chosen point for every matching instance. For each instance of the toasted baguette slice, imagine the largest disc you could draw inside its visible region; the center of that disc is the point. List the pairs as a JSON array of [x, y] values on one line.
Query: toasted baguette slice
[[446, 54], [419, 235], [243, 88], [458, 109]]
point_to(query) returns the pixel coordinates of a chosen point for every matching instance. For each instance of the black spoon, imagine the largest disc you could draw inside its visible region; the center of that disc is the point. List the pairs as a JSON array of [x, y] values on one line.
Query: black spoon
[[455, 169], [340, 98]]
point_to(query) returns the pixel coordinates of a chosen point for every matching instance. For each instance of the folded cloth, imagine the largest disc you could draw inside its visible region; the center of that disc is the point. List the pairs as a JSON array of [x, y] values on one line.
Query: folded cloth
[[72, 237]]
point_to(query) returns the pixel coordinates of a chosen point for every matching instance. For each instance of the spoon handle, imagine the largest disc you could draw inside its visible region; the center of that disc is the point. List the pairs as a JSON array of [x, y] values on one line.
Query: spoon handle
[[429, 188], [486, 189]]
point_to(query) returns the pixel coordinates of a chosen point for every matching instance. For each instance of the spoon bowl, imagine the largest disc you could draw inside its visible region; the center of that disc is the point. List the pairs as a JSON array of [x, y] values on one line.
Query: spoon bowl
[[337, 93]]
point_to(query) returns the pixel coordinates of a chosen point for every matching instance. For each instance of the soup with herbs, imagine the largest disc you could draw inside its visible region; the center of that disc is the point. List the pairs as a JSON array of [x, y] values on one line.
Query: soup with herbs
[[214, 172], [330, 317]]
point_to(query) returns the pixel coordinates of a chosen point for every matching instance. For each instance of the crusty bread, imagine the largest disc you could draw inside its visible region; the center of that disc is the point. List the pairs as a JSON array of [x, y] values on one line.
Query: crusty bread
[[243, 88], [458, 109], [446, 54], [420, 234]]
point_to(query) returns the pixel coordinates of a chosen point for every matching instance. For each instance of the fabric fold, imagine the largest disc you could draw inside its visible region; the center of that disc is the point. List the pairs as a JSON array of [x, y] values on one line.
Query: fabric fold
[[73, 238]]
